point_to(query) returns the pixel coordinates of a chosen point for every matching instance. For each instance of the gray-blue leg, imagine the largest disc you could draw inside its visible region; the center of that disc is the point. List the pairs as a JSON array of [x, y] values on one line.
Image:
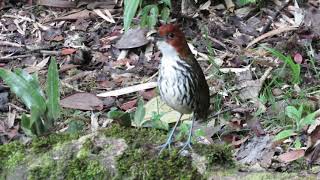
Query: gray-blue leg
[[188, 142], [169, 140]]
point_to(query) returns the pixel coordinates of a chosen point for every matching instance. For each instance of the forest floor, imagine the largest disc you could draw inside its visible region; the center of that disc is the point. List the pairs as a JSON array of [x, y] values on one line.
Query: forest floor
[[261, 62]]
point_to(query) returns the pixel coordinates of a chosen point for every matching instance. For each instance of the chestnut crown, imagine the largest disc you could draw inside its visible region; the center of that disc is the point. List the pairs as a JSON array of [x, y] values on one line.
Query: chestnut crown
[[175, 37]]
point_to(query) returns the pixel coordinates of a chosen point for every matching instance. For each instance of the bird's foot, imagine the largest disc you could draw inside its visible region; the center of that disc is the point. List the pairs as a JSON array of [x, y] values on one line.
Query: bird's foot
[[186, 146], [164, 146]]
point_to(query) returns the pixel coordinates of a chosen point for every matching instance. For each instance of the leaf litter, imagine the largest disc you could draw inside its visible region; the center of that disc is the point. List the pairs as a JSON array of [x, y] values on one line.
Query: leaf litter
[[113, 69]]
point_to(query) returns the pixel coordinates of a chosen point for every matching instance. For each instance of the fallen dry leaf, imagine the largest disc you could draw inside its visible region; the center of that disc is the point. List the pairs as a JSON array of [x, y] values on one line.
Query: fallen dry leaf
[[133, 38], [257, 150], [68, 51], [291, 155], [82, 101], [128, 105]]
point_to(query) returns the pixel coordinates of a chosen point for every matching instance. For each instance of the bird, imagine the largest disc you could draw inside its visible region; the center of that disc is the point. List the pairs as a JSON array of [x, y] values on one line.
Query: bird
[[181, 81]]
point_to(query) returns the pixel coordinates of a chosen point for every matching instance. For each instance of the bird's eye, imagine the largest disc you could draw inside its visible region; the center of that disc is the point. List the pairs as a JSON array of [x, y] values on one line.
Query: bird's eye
[[170, 35]]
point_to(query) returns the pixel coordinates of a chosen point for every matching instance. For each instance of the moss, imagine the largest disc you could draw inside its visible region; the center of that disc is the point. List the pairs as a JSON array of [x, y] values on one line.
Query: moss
[[297, 165], [79, 166], [217, 155], [84, 168], [141, 164], [137, 137], [43, 170], [45, 143], [141, 161], [11, 154]]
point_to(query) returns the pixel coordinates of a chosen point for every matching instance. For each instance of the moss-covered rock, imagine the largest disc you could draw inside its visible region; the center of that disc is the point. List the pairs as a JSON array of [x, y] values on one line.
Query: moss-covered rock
[[116, 152], [89, 157]]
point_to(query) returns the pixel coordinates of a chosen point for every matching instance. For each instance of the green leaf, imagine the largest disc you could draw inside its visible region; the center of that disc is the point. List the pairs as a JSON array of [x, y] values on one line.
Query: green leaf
[[153, 18], [123, 118], [308, 120], [144, 15], [150, 15], [75, 126], [295, 68], [167, 2], [293, 113], [53, 93], [165, 14], [33, 125], [24, 90], [25, 125], [139, 114], [283, 134], [37, 126], [31, 79], [130, 9], [297, 143], [157, 124], [245, 2]]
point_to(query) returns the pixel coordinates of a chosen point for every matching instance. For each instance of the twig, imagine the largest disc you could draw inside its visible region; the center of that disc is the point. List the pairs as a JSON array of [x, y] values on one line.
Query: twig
[[17, 107], [150, 78], [54, 53], [218, 42], [271, 33], [129, 89], [267, 26], [3, 59], [220, 112], [70, 86], [77, 76], [7, 43]]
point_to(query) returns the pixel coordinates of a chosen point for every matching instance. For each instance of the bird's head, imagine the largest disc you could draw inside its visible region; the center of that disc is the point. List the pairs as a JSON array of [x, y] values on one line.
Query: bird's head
[[171, 38]]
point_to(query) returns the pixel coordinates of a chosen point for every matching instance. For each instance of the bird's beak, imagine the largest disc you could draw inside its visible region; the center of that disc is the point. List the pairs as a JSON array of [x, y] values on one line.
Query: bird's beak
[[157, 37]]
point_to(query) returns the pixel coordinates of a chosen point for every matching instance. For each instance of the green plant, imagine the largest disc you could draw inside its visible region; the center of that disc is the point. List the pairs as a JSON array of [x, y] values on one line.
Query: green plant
[[299, 122], [295, 68], [245, 2], [149, 12], [137, 118], [43, 111]]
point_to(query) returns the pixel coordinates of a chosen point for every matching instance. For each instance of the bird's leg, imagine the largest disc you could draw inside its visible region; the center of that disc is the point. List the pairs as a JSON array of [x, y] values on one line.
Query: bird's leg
[[188, 142], [169, 140]]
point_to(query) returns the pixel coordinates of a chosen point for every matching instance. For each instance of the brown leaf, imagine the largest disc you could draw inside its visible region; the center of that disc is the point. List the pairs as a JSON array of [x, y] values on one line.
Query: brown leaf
[[237, 143], [236, 123], [256, 126], [148, 94], [128, 105], [68, 51], [57, 3], [82, 101], [291, 155], [132, 38]]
